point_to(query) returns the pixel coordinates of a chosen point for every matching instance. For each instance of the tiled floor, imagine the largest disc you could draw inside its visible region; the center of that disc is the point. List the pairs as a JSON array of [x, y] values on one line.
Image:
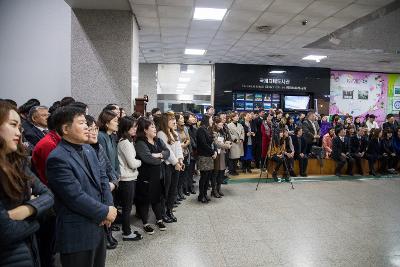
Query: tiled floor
[[341, 223]]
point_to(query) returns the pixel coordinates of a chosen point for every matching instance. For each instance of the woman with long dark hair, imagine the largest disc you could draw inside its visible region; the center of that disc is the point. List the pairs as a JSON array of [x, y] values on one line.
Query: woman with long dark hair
[[184, 138], [128, 165], [23, 198], [207, 153], [222, 146], [152, 152], [277, 154]]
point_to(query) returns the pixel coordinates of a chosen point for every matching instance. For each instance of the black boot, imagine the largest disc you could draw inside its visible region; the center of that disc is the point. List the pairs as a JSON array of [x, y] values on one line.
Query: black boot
[[219, 190], [111, 244], [214, 193], [171, 215]]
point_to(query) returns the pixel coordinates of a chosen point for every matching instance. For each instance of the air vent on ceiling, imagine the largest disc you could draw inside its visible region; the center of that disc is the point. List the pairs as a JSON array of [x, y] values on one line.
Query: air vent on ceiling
[[384, 61], [276, 56], [264, 28]]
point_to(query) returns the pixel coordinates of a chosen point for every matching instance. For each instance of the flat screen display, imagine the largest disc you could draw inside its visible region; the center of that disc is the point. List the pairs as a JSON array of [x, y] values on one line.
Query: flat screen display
[[296, 102], [249, 106]]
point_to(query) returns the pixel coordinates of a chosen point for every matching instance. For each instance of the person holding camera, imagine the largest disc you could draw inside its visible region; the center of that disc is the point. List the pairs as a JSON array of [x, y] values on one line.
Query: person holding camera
[[341, 153]]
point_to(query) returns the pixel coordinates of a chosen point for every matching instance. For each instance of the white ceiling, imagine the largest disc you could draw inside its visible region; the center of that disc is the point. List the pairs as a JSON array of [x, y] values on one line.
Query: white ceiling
[[199, 83], [167, 28]]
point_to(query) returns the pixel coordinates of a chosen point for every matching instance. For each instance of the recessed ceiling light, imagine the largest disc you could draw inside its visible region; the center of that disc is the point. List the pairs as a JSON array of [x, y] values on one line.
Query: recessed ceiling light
[[314, 57], [184, 79], [197, 52], [201, 13], [188, 72], [181, 85], [228, 91], [277, 71]]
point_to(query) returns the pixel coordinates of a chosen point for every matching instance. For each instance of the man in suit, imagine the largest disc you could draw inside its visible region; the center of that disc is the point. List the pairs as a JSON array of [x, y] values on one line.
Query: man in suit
[[300, 147], [358, 147], [311, 131], [38, 118], [341, 153], [390, 123], [83, 196]]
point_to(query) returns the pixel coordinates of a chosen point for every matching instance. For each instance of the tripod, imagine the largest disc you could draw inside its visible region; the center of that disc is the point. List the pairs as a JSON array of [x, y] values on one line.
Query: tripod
[[265, 165]]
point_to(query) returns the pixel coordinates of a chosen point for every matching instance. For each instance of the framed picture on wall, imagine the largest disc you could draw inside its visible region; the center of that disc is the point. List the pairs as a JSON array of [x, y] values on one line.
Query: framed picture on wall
[[249, 106], [396, 104], [348, 94], [363, 94], [396, 90]]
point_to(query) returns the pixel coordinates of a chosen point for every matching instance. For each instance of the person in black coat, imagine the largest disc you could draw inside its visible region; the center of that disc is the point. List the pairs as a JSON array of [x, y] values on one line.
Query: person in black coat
[[389, 157], [374, 150], [190, 122], [358, 147], [390, 123], [23, 198], [152, 151], [84, 203], [300, 148], [341, 153], [207, 153]]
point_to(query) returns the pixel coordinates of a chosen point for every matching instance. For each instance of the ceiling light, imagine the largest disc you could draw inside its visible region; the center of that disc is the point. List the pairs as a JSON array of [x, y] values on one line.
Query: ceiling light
[[179, 91], [185, 97], [201, 13], [314, 57], [184, 79], [181, 86], [277, 71], [188, 72], [228, 91], [197, 52]]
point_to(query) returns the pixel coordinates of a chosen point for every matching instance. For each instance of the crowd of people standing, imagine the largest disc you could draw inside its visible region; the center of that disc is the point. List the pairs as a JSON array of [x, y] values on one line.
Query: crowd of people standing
[[69, 180]]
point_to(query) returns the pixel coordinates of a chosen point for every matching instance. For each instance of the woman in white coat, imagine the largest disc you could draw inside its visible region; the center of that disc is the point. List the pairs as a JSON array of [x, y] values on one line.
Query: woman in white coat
[[128, 165], [236, 132]]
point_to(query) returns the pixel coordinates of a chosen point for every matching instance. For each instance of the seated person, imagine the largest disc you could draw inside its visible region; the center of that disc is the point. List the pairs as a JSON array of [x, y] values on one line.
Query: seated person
[[341, 153], [374, 150], [289, 153], [277, 154], [327, 142], [388, 152], [358, 146], [300, 147], [396, 142]]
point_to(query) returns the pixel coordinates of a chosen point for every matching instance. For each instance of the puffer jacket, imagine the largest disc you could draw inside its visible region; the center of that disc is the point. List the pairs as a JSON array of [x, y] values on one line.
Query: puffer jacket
[[18, 246]]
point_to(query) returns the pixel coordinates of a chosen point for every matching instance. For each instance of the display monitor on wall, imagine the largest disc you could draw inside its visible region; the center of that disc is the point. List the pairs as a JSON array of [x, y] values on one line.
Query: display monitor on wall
[[296, 102]]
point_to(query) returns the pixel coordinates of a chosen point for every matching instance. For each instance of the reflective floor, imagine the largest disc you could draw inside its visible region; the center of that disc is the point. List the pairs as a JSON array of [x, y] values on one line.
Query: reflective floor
[[341, 223]]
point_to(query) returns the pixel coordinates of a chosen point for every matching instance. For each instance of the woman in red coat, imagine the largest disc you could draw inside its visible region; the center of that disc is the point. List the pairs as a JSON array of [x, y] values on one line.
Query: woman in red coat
[[266, 133]]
